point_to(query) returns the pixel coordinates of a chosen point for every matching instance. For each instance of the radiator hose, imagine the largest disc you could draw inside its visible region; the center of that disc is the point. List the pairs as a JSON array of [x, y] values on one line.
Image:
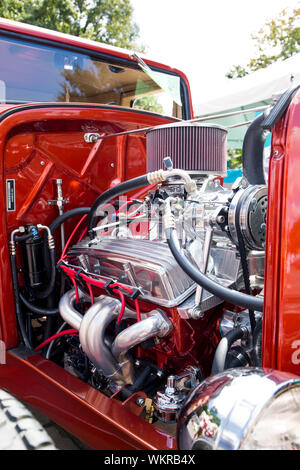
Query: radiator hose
[[255, 137], [68, 215], [112, 193], [232, 296], [223, 348], [42, 312], [253, 151]]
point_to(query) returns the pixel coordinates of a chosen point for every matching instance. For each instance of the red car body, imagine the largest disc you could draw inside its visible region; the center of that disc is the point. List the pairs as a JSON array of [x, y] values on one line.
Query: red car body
[[33, 139]]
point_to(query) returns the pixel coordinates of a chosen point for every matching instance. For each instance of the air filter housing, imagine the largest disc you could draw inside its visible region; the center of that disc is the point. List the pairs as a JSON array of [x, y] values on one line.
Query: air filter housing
[[198, 148]]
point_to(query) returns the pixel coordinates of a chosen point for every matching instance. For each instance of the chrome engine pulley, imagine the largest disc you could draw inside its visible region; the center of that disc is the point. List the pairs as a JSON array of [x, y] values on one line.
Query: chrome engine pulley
[[248, 211]]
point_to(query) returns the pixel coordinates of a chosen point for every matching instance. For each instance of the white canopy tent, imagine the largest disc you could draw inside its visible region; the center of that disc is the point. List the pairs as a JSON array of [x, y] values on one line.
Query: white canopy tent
[[254, 88], [252, 91]]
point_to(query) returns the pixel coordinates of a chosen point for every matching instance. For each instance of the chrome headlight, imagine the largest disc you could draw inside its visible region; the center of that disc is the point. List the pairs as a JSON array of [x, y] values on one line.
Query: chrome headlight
[[242, 409]]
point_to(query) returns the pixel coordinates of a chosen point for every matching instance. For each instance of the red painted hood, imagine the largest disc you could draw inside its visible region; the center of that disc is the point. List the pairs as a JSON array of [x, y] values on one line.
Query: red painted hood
[[118, 118]]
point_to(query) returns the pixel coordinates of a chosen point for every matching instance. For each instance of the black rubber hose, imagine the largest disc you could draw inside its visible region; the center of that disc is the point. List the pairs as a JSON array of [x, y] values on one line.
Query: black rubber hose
[[23, 238], [68, 215], [52, 312], [223, 348], [138, 384], [257, 343], [112, 193], [19, 296], [52, 265], [43, 312], [29, 329], [279, 109], [20, 318], [43, 294], [253, 151], [236, 357], [232, 296], [50, 323], [140, 381]]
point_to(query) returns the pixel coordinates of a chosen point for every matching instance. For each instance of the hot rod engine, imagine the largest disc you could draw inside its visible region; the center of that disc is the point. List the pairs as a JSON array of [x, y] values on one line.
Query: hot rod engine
[[144, 324], [142, 267]]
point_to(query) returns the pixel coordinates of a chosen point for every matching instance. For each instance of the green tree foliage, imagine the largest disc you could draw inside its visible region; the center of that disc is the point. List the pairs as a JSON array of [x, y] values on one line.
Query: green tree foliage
[[149, 103], [234, 157], [108, 21], [277, 40]]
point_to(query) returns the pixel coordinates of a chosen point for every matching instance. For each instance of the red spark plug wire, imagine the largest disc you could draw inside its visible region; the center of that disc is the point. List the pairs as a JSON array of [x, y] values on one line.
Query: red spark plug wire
[[94, 282], [71, 332]]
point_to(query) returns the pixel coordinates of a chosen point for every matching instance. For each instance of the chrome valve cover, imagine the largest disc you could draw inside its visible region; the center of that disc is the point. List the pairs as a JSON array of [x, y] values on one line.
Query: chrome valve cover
[[144, 264]]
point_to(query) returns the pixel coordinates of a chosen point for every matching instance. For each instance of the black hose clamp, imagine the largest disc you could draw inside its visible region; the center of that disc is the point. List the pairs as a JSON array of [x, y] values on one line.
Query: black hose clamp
[[107, 287], [60, 264], [77, 275], [133, 295]]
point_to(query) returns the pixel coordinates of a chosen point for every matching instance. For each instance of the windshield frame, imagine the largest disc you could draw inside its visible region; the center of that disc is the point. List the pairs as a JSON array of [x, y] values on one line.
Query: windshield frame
[[113, 58]]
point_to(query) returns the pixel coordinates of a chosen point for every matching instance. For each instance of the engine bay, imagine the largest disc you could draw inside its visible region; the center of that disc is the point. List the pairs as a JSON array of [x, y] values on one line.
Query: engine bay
[[136, 291]]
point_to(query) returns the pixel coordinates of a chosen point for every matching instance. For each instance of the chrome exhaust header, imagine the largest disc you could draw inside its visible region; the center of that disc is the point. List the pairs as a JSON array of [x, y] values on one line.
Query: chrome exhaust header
[[111, 360]]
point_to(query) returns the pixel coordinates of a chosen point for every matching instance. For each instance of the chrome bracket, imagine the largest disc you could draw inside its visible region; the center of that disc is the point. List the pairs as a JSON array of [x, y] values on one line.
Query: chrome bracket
[[196, 313], [91, 137], [60, 202]]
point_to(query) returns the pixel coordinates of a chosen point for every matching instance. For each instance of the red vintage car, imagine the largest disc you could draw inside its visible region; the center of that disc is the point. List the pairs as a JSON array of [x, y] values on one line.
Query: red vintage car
[[144, 305]]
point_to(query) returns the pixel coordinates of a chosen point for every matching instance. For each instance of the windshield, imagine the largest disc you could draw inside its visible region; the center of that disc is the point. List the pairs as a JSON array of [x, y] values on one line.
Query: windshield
[[31, 72]]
